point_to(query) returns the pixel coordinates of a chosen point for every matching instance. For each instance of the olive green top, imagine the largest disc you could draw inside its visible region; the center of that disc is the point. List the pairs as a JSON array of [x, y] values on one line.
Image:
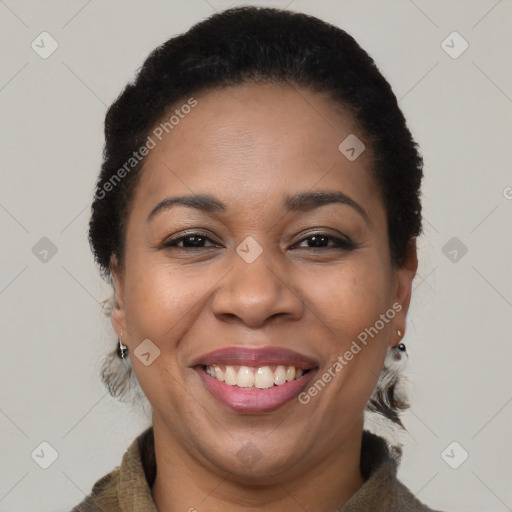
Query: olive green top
[[128, 487]]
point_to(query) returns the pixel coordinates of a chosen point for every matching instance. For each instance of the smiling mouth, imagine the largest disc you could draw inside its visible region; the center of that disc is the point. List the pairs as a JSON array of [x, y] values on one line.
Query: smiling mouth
[[254, 389], [261, 377], [255, 379]]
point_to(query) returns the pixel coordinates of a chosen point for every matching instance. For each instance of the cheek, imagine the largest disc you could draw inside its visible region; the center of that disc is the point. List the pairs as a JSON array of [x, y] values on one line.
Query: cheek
[[343, 299], [160, 303], [158, 299], [349, 298], [354, 306]]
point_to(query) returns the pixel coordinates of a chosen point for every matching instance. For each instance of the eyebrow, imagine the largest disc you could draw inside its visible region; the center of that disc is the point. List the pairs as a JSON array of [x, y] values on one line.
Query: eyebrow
[[301, 202]]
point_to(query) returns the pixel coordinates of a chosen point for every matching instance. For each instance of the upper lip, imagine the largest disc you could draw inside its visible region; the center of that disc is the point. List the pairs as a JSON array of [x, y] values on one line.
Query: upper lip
[[261, 356]]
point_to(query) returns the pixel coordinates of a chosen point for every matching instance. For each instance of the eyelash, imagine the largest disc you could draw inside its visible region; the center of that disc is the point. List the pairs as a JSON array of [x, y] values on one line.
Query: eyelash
[[339, 242]]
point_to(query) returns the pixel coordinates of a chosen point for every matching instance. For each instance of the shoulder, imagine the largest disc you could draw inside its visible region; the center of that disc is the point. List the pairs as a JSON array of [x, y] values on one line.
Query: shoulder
[[103, 495], [408, 502], [129, 481], [382, 490]]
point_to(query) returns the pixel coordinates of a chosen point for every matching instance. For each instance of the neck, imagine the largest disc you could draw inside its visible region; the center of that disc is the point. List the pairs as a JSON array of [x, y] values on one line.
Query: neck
[[183, 483]]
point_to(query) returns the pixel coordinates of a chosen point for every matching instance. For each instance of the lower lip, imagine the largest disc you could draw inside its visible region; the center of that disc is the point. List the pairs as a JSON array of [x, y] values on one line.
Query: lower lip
[[252, 400]]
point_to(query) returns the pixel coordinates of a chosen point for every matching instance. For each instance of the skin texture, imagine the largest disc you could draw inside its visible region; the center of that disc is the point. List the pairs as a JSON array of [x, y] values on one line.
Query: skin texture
[[250, 146]]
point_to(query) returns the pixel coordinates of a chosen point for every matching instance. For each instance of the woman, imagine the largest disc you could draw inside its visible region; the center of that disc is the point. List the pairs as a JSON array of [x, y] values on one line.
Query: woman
[[256, 213]]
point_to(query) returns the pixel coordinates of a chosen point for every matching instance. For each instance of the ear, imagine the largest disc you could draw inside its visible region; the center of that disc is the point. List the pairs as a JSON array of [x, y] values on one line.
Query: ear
[[118, 318], [402, 288]]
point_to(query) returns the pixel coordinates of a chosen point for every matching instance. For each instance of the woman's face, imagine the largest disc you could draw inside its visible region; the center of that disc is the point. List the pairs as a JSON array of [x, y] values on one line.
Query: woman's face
[[261, 280]]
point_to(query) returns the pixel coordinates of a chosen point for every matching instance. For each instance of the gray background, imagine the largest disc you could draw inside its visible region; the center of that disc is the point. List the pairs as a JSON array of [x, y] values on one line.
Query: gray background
[[53, 330]]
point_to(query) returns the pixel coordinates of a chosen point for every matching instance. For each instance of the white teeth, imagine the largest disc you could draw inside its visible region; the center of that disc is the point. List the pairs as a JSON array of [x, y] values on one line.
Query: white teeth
[[280, 375], [230, 376], [218, 373], [245, 377], [248, 377], [264, 378]]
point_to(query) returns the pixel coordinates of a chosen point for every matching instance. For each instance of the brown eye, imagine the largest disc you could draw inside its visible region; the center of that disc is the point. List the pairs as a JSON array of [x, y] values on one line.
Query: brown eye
[[320, 242], [190, 241]]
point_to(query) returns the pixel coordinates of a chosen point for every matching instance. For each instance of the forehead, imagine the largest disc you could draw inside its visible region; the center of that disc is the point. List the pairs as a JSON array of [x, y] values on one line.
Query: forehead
[[252, 142]]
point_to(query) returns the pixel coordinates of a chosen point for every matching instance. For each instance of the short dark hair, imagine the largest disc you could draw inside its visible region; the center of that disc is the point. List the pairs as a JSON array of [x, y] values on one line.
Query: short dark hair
[[246, 43], [273, 46]]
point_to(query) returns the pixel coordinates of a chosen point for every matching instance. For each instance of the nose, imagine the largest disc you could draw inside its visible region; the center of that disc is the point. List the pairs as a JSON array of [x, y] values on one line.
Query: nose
[[253, 293]]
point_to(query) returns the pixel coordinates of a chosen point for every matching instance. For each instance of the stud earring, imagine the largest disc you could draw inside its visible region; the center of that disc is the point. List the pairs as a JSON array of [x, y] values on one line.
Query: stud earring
[[122, 350], [400, 347]]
